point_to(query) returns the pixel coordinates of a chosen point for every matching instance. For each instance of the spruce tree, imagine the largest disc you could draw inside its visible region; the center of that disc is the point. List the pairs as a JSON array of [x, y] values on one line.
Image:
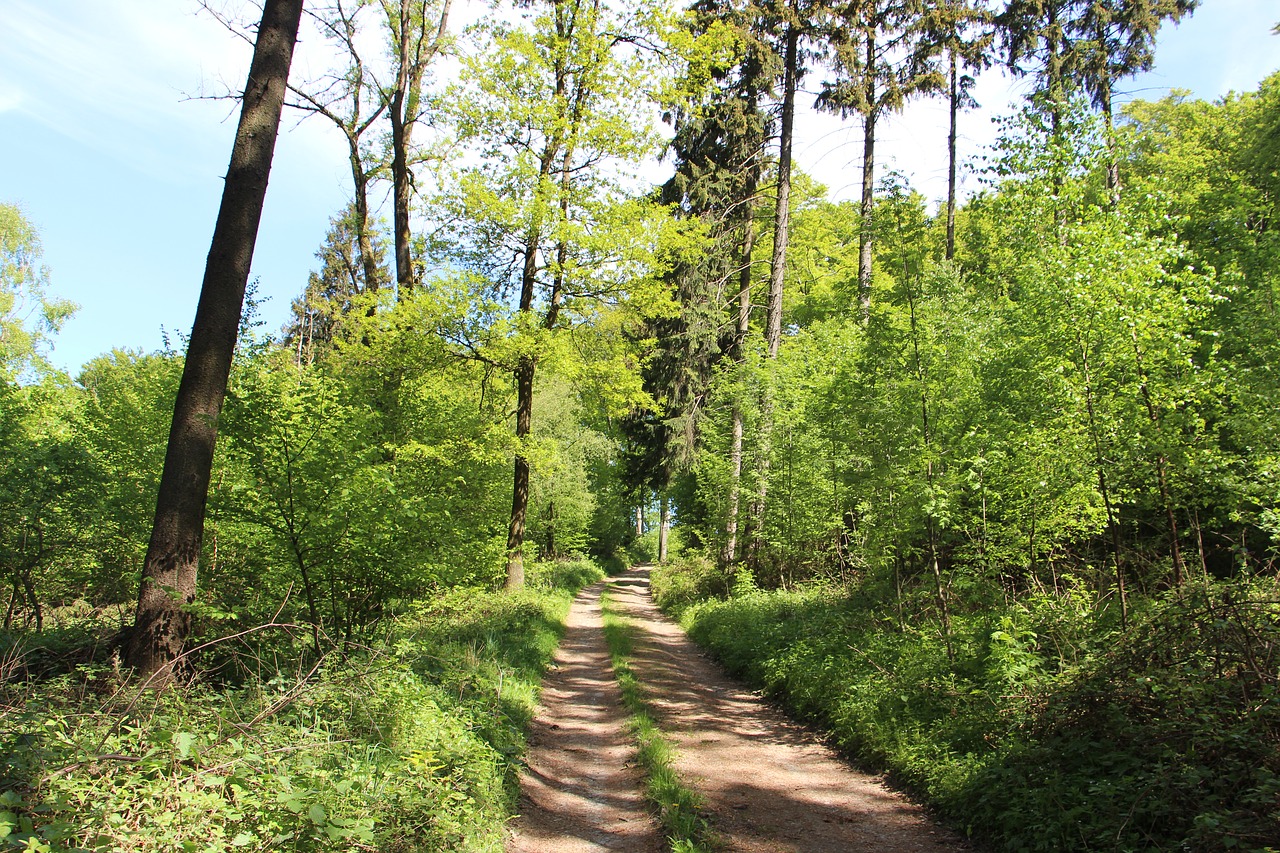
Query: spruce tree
[[718, 148], [882, 57]]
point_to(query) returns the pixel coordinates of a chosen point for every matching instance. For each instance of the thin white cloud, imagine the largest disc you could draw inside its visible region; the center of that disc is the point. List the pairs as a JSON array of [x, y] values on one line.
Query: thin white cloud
[[11, 96], [112, 78]]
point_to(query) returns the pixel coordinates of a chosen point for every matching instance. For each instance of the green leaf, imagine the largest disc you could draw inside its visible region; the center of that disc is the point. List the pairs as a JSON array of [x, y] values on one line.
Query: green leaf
[[183, 741]]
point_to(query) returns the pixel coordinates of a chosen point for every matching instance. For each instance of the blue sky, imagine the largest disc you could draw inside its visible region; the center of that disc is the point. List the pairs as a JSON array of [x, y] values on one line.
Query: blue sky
[[109, 152]]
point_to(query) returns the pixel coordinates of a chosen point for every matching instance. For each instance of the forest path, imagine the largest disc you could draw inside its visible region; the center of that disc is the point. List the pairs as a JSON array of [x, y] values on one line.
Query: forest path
[[769, 785], [580, 790]]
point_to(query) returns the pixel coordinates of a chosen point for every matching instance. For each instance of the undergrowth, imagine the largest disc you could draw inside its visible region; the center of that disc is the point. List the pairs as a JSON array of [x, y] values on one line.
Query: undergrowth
[[1052, 728], [679, 807], [407, 746]]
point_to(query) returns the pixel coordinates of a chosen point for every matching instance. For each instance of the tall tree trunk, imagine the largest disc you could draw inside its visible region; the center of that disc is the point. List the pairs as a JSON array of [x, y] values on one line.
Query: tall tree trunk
[[401, 179], [954, 92], [551, 550], [1113, 157], [524, 411], [866, 236], [664, 526], [777, 275], [364, 240], [169, 571], [559, 147], [735, 487], [926, 432], [29, 587], [520, 485], [1113, 524], [413, 56], [340, 24], [782, 212], [744, 326], [1162, 480]]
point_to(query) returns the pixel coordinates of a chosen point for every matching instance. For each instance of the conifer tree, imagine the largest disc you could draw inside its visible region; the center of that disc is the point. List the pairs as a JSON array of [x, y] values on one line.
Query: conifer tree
[[961, 30], [882, 58], [718, 148], [1084, 44], [1116, 39]]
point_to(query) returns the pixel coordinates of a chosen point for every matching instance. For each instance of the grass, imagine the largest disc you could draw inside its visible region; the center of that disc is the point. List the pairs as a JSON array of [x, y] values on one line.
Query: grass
[[678, 806], [412, 745]]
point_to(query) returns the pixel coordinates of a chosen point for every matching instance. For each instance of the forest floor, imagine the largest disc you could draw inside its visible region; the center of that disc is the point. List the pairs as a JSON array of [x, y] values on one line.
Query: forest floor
[[768, 785]]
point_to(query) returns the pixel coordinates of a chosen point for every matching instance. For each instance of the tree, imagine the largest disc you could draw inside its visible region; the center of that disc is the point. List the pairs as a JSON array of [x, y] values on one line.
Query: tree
[[415, 41], [1116, 39], [1034, 36], [168, 583], [882, 59], [961, 30], [791, 24], [1084, 43], [544, 218], [47, 496], [27, 316], [330, 294], [353, 101], [718, 149]]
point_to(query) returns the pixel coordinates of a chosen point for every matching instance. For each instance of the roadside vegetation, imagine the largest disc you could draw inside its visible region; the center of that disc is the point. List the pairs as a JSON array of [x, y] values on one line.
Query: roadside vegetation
[[1046, 729], [989, 488], [409, 742]]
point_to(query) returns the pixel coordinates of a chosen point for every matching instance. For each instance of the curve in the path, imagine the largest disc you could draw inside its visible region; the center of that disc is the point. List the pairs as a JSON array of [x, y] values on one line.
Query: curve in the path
[[769, 785], [580, 790]]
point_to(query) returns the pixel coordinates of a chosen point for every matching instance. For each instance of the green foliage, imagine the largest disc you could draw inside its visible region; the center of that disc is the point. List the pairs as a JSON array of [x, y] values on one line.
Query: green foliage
[[1014, 523], [47, 478], [686, 580], [644, 548], [408, 746], [125, 423], [993, 506], [1046, 733], [27, 316]]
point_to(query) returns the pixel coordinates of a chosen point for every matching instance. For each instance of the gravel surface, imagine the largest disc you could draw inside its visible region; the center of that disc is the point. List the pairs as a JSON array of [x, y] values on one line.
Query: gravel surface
[[769, 785]]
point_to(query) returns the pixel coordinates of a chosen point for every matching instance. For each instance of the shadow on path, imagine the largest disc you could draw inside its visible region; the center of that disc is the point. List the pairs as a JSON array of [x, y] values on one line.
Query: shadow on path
[[769, 785], [580, 791]]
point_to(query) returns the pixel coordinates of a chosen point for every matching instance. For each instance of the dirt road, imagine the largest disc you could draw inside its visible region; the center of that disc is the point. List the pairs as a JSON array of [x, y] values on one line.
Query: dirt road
[[769, 785]]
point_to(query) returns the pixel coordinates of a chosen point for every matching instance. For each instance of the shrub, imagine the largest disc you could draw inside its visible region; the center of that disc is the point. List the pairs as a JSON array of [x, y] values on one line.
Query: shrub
[[1049, 729], [687, 580]]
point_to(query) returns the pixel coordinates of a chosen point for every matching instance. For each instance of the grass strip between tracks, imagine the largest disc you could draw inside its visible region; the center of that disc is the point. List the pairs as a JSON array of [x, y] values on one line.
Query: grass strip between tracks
[[679, 807]]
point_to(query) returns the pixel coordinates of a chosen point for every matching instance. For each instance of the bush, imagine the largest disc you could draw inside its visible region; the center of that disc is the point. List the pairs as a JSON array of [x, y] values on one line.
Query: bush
[[1049, 730], [1169, 737], [644, 548], [687, 580]]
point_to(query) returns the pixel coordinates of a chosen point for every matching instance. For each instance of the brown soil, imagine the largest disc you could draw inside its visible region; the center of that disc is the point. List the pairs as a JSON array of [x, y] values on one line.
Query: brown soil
[[580, 791], [769, 785]]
